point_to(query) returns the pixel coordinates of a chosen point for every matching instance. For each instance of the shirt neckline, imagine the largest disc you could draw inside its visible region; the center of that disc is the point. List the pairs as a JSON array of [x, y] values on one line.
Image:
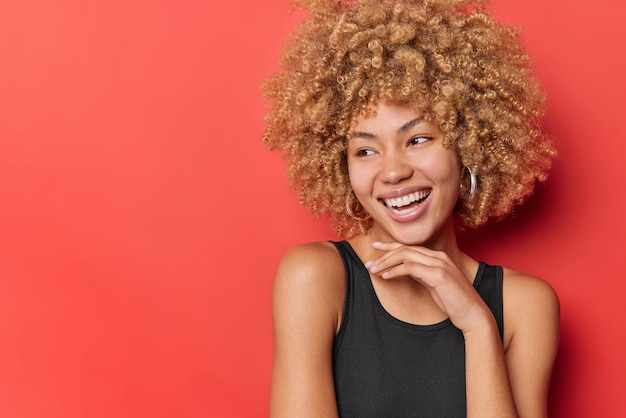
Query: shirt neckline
[[379, 306]]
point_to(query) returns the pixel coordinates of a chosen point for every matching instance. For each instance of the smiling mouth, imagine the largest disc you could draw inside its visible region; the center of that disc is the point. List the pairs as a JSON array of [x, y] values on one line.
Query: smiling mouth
[[406, 203]]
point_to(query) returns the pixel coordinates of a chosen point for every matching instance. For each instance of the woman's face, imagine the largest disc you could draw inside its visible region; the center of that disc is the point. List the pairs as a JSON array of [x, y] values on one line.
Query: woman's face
[[403, 175]]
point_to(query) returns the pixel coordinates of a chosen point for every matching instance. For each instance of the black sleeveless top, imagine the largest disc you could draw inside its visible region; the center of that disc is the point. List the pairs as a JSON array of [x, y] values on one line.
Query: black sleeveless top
[[384, 367]]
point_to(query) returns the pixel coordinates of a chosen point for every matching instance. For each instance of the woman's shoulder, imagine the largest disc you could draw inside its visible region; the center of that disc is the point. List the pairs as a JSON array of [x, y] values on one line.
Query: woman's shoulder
[[311, 277], [528, 301], [521, 288], [312, 258]]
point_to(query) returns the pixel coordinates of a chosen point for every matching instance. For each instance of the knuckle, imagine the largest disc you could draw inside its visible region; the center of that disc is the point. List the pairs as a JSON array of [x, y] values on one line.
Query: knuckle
[[442, 255], [439, 273]]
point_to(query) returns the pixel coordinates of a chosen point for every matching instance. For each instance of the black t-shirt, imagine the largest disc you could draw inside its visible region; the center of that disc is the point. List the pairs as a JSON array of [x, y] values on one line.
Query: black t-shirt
[[384, 367]]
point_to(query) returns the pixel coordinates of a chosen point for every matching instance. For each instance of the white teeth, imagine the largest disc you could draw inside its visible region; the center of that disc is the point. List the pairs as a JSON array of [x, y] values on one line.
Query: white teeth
[[406, 200]]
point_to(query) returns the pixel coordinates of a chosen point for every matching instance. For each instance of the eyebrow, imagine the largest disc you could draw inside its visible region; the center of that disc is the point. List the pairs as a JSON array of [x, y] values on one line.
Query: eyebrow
[[403, 128], [410, 124]]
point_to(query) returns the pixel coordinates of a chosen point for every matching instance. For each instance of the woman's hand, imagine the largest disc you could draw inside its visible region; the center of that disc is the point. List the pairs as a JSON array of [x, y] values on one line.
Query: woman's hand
[[451, 290]]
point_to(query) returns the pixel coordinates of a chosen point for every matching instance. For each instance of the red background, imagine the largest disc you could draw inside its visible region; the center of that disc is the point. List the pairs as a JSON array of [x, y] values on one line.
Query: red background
[[141, 219]]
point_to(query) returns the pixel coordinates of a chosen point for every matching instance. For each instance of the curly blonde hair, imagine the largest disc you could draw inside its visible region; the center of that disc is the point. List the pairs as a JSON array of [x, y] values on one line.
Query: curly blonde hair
[[446, 58]]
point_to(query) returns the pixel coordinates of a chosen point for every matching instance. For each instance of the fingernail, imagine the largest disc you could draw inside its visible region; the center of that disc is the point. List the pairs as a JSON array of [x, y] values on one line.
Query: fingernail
[[377, 244]]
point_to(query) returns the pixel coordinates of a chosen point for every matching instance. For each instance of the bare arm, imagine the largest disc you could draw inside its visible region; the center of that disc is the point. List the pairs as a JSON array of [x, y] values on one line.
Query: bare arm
[[531, 313], [520, 373], [531, 328], [488, 389], [308, 296]]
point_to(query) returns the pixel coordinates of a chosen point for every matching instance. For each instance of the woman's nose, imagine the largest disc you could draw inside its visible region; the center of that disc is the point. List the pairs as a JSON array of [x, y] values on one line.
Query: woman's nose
[[395, 168]]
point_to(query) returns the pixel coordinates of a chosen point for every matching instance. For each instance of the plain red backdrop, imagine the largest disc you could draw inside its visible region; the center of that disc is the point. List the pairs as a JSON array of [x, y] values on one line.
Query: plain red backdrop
[[141, 219]]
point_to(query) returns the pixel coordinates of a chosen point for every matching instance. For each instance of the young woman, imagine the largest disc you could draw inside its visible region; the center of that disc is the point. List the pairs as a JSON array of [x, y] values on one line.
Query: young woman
[[406, 121]]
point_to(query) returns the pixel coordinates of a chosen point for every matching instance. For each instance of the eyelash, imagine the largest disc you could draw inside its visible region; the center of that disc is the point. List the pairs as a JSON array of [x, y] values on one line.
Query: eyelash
[[363, 152], [414, 140]]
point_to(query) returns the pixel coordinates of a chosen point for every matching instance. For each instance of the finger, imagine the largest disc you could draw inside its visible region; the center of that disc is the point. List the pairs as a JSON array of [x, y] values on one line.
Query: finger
[[386, 246], [399, 255], [415, 270], [390, 246], [395, 246]]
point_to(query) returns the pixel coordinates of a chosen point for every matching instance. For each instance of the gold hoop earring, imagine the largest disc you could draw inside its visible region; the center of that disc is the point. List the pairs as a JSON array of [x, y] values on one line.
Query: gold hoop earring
[[351, 214], [473, 181]]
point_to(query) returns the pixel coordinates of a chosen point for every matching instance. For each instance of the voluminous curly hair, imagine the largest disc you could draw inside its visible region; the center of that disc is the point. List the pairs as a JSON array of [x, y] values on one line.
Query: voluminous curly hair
[[446, 58]]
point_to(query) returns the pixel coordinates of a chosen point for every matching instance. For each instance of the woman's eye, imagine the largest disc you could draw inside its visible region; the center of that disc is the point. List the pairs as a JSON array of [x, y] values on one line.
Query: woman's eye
[[364, 152], [418, 140]]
